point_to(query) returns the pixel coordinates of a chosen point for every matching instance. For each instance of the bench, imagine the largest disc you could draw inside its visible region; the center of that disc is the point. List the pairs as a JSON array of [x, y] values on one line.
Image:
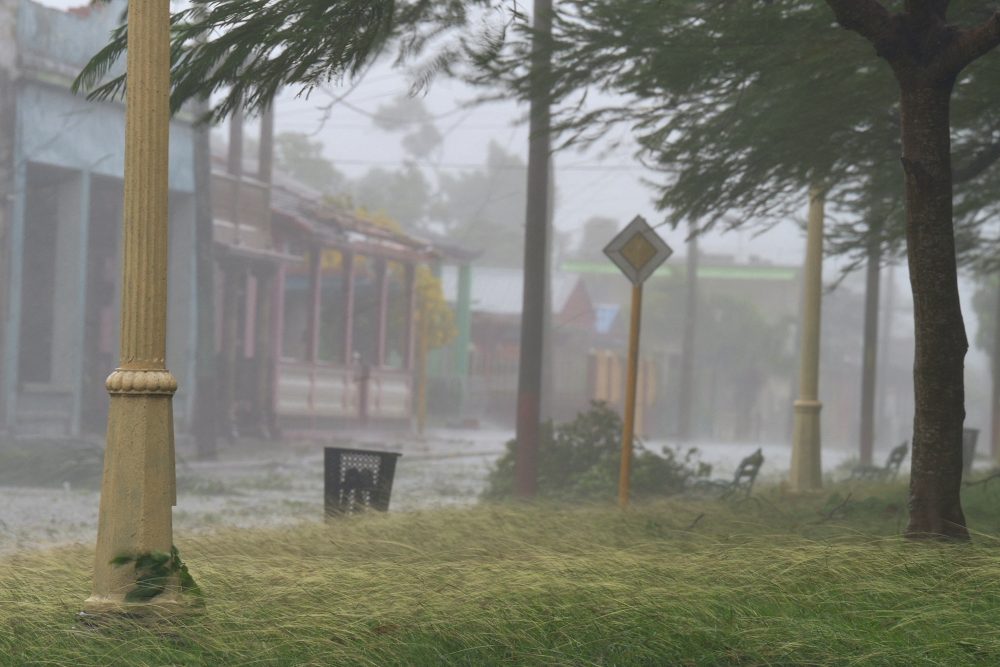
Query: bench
[[742, 481], [886, 472]]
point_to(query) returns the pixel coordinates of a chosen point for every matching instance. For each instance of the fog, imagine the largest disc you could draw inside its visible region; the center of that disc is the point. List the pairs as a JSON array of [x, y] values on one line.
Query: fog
[[305, 354]]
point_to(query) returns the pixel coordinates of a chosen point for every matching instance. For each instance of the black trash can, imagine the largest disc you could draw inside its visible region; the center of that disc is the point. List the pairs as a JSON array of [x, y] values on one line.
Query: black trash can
[[357, 479], [969, 438]]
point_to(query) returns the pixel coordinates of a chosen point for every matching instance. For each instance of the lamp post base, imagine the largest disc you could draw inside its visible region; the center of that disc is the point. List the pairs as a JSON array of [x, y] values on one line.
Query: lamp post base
[[806, 473]]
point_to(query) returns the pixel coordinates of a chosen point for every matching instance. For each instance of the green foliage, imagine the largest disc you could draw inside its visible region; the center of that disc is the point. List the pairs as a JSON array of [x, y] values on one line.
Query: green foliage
[[744, 105], [484, 208], [403, 194], [580, 460], [245, 51], [302, 158], [155, 571], [409, 115]]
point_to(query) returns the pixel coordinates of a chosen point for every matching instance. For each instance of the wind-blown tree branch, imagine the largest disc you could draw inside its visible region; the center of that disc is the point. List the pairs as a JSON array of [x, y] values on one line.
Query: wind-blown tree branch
[[242, 52], [741, 122]]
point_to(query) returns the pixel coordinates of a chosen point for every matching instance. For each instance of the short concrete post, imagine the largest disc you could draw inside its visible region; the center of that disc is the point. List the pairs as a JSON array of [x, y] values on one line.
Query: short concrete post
[[139, 485]]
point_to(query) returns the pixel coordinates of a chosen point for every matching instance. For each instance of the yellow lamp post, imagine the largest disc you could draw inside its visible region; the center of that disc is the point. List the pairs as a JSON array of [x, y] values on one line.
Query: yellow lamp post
[[138, 489], [806, 472], [637, 250]]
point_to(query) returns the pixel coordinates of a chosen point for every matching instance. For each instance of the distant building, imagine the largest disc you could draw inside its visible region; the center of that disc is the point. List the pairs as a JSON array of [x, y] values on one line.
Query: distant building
[[494, 349], [62, 176], [314, 306]]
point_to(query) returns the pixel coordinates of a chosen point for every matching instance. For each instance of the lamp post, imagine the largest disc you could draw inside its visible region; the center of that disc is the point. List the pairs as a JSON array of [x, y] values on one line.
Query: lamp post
[[806, 470], [138, 489]]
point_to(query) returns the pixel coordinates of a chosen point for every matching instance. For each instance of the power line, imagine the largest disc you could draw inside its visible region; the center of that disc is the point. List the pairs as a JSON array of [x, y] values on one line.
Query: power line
[[474, 165]]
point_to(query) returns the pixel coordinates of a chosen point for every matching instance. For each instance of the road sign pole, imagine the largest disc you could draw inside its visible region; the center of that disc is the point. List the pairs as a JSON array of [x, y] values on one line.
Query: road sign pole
[[625, 474], [637, 250]]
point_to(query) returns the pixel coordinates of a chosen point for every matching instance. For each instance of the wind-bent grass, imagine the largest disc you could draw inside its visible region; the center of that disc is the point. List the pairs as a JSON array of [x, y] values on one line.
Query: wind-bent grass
[[774, 581]]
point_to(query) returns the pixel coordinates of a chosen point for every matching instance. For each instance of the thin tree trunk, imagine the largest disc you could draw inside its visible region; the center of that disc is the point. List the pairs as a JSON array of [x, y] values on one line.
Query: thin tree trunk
[[529, 386], [941, 343], [870, 349], [888, 304], [687, 387]]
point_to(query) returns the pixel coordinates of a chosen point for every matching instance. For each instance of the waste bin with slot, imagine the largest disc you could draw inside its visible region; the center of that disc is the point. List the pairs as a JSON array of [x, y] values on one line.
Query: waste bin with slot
[[357, 479], [969, 438]]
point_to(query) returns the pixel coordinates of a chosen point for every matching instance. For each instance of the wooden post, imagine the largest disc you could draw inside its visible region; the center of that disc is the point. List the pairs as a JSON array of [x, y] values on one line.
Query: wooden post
[[625, 473], [139, 485]]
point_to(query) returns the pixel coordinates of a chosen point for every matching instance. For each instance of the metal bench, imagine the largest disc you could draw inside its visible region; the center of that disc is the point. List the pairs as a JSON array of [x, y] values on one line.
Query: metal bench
[[740, 484], [886, 472]]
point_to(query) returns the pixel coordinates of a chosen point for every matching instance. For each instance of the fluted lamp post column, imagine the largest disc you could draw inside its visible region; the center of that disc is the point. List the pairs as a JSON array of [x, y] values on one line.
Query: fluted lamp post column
[[806, 471], [138, 489]]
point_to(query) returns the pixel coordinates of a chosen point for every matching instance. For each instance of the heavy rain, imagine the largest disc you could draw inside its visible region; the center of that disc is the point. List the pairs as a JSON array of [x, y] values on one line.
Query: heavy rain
[[612, 332]]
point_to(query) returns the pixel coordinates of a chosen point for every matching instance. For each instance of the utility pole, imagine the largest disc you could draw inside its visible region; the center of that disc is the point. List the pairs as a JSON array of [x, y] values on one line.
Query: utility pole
[[529, 386], [139, 486], [806, 471]]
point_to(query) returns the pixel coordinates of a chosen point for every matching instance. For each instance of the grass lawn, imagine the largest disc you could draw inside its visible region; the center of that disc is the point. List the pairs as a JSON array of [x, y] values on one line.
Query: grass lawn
[[771, 581]]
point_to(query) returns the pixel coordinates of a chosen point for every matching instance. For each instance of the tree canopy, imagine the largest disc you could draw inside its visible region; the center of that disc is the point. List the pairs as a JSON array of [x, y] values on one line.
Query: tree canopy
[[245, 51], [742, 106]]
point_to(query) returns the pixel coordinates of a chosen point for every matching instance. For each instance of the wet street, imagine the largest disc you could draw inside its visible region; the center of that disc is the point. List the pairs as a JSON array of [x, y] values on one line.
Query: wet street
[[267, 484]]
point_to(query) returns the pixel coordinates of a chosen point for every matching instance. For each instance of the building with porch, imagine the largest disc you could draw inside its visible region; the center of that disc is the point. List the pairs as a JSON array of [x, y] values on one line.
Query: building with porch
[[61, 177], [314, 307]]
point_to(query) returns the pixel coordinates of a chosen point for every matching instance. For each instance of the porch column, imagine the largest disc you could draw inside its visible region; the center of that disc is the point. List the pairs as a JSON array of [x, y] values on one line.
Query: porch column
[[231, 278], [381, 288], [347, 299], [139, 484], [411, 316], [263, 351], [12, 338], [463, 322], [315, 291], [78, 328], [277, 340]]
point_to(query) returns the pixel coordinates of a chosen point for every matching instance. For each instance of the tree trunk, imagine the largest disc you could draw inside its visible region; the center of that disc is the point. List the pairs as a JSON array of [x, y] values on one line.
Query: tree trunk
[[529, 384], [941, 343], [870, 354]]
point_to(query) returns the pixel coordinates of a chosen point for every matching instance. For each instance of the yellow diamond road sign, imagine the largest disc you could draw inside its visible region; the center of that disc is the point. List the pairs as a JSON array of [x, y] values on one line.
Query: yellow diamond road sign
[[638, 250]]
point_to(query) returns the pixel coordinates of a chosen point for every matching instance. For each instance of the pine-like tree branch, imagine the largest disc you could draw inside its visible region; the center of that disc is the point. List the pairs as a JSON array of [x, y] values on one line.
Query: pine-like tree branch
[[977, 164]]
